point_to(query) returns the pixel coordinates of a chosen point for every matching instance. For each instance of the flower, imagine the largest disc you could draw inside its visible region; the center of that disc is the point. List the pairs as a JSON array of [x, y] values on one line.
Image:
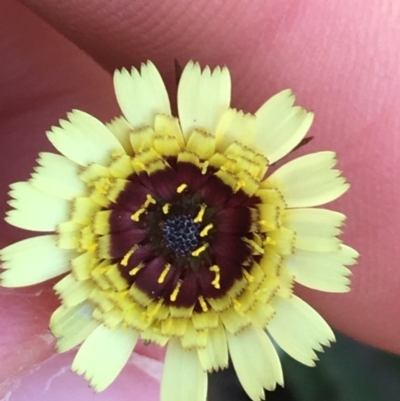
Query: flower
[[170, 233]]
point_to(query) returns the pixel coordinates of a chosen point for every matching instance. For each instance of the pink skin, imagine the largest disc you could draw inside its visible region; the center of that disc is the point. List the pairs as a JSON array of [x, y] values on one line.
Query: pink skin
[[339, 57]]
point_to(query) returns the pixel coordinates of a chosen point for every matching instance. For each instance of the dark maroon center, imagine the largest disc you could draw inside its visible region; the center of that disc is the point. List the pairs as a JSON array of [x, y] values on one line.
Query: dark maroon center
[[188, 242]]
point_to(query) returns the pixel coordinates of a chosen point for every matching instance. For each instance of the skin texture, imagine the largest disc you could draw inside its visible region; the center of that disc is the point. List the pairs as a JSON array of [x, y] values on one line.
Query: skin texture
[[341, 58]]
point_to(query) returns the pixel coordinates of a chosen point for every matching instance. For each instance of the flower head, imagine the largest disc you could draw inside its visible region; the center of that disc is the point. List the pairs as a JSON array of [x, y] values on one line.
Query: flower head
[[170, 233]]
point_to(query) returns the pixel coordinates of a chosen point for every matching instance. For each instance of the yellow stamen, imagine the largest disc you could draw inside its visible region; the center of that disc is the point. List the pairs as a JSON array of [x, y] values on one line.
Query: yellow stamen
[[136, 216], [125, 259], [164, 273], [198, 251], [166, 208], [254, 245], [236, 303], [206, 229], [248, 276], [200, 214], [239, 185], [102, 186], [203, 303], [92, 247], [153, 312], [268, 224], [216, 270], [174, 294], [270, 241], [204, 167], [117, 153], [139, 164], [181, 188], [135, 269], [149, 200], [168, 325]]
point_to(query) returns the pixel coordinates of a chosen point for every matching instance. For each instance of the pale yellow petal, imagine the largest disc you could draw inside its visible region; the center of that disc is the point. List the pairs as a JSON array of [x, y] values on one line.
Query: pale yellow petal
[[183, 378], [203, 97], [234, 126], [72, 325], [35, 210], [323, 271], [57, 176], [141, 95], [73, 292], [215, 355], [256, 361], [280, 127], [104, 354], [308, 180], [84, 139], [316, 229], [33, 261], [122, 131], [299, 330]]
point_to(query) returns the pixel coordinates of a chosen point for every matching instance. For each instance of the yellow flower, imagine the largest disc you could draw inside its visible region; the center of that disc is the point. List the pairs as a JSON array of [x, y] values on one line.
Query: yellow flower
[[170, 233]]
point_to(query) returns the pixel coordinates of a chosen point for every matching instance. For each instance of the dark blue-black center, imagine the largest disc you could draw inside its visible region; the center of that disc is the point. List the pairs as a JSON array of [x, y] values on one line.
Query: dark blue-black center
[[181, 234]]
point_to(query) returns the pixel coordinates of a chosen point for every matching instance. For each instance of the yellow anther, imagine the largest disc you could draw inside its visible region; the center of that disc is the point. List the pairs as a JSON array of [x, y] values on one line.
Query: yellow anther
[[125, 259], [92, 247], [215, 269], [240, 184], [166, 208], [122, 294], [174, 294], [205, 167], [198, 251], [164, 273], [149, 200], [139, 164], [248, 276], [135, 269], [136, 216], [203, 304], [268, 224], [153, 312], [168, 325], [102, 186], [236, 303], [270, 241], [206, 229], [200, 214], [254, 245], [181, 188]]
